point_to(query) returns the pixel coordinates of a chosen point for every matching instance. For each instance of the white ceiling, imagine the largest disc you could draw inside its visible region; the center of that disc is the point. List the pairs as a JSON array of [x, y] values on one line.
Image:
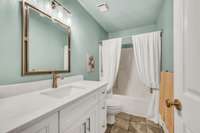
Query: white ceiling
[[124, 14]]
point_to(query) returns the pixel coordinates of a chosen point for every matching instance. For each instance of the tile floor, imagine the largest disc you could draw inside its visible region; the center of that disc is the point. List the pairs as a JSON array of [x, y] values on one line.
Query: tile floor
[[126, 123]]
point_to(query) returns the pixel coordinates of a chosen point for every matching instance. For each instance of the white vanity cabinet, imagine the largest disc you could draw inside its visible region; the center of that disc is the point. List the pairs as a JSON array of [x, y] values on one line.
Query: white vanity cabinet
[[84, 115]]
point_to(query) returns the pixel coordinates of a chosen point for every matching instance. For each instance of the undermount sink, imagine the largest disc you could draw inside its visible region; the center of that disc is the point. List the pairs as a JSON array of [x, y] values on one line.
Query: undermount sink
[[62, 92]]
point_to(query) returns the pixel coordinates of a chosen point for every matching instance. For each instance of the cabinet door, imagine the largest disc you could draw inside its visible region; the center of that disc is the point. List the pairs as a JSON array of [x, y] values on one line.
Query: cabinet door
[[85, 124], [77, 128], [77, 112], [91, 121], [48, 125]]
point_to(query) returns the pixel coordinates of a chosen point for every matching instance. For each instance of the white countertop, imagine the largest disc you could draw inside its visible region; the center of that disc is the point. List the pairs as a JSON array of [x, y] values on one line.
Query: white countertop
[[21, 110]]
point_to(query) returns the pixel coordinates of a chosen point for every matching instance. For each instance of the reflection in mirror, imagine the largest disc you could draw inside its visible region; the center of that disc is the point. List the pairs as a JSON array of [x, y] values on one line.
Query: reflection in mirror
[[46, 54], [46, 43]]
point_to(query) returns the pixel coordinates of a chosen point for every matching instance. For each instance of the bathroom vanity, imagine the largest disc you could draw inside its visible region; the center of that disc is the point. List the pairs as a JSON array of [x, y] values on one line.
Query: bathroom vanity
[[77, 107]]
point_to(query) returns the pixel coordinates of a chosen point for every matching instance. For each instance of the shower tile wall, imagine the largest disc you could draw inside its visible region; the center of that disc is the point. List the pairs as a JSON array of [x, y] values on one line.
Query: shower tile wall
[[127, 82]]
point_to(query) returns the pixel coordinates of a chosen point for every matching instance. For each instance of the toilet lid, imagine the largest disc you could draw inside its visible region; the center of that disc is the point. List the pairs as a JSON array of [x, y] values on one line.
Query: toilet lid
[[112, 103]]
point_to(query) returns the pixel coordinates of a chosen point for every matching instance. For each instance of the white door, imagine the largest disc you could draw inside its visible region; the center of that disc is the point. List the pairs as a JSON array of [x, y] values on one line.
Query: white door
[[187, 65]]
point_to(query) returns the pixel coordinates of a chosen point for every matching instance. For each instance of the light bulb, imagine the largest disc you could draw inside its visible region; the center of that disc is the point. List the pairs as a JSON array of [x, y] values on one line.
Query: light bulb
[[47, 7], [68, 22], [60, 12]]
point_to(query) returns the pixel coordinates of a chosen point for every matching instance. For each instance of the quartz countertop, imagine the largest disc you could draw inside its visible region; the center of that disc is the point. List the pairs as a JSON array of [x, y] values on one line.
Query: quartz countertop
[[24, 109]]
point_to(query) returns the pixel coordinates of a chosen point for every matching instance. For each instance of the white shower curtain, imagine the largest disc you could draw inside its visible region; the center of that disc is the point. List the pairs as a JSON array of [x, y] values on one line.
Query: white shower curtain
[[111, 51], [147, 50]]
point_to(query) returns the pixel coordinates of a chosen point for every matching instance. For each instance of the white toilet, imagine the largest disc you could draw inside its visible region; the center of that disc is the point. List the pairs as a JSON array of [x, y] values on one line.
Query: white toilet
[[113, 107]]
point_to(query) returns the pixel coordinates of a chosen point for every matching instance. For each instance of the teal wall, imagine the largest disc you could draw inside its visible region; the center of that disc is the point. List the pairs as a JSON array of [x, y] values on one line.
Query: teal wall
[[134, 31], [86, 32], [127, 33], [165, 22]]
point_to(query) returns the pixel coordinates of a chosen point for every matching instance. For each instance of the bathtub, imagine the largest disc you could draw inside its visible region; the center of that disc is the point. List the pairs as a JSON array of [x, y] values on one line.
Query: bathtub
[[133, 105]]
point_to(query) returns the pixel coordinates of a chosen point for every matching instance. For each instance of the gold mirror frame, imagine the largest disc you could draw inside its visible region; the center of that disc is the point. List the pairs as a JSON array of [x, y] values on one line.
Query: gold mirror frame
[[25, 40]]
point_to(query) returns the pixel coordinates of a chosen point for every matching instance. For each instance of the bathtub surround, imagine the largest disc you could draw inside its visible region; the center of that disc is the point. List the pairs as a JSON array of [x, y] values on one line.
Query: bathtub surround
[[128, 82], [86, 32]]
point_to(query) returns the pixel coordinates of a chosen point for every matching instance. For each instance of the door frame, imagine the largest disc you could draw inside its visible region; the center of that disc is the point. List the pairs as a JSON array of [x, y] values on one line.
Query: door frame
[[178, 24]]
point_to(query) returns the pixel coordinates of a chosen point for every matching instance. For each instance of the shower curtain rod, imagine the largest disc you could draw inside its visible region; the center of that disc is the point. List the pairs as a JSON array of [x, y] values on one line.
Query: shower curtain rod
[[125, 37]]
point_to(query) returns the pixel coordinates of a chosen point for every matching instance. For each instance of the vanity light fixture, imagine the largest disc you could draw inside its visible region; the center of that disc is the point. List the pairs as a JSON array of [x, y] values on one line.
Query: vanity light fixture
[[103, 7], [60, 12], [55, 4]]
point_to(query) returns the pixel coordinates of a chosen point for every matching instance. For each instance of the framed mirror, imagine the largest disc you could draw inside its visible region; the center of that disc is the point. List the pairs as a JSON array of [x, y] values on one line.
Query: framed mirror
[[45, 43]]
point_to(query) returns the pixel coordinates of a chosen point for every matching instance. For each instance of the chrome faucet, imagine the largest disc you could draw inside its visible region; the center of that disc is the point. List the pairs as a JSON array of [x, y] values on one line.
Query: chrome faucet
[[55, 79]]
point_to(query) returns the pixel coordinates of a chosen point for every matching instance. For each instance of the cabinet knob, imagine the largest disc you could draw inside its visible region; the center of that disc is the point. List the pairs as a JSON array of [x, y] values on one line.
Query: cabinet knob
[[103, 126], [103, 107], [103, 92]]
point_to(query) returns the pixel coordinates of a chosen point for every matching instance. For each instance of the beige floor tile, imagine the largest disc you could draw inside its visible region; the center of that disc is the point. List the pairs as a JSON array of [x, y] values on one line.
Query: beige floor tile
[[151, 123], [137, 127], [126, 123], [154, 129], [124, 116], [116, 129], [138, 119], [122, 123]]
